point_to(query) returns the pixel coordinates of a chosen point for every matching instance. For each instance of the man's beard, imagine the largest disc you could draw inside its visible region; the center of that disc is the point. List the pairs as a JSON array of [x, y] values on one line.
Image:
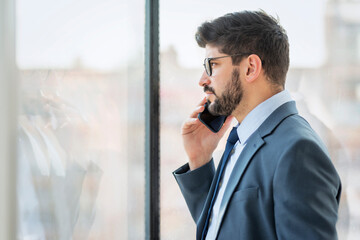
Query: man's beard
[[229, 99]]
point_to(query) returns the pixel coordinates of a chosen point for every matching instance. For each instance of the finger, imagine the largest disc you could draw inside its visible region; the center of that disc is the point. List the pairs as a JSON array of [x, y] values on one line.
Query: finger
[[189, 125], [197, 110], [202, 102], [191, 121]]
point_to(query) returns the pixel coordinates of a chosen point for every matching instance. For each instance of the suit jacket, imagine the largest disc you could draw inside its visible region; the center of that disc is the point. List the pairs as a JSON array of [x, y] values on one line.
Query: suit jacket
[[283, 186]]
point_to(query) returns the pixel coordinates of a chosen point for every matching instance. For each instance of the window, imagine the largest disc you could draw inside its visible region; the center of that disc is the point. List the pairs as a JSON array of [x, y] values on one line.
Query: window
[[81, 155], [317, 81], [81, 169]]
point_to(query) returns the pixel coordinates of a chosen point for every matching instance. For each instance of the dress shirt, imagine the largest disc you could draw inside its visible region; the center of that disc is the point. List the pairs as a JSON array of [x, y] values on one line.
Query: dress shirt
[[244, 130]]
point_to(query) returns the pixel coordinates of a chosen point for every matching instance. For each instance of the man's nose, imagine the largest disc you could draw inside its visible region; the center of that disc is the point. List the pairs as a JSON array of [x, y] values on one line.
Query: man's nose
[[204, 80]]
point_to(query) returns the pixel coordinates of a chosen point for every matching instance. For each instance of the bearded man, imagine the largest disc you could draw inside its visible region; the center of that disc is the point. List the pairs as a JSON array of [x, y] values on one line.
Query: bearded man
[[275, 179]]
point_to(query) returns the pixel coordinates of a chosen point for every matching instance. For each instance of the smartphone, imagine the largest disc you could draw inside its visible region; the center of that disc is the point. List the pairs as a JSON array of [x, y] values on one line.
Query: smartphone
[[214, 123]]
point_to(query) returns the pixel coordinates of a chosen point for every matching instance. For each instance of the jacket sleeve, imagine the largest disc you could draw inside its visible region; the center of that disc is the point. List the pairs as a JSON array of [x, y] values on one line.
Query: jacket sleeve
[[195, 185], [306, 193]]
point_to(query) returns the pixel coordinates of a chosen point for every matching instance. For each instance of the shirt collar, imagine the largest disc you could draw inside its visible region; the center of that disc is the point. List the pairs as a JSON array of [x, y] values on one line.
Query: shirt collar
[[260, 113]]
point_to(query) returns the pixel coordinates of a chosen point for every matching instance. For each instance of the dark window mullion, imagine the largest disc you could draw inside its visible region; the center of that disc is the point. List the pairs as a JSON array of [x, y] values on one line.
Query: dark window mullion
[[152, 111]]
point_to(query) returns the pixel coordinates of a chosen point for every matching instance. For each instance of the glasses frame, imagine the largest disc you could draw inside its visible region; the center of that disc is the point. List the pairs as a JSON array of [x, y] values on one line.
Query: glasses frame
[[207, 62]]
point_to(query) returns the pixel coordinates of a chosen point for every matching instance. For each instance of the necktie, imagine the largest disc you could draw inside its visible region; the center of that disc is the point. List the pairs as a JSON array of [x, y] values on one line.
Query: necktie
[[232, 139]]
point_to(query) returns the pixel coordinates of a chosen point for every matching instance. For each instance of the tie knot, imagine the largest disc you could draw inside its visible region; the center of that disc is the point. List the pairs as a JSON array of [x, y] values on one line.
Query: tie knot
[[233, 137]]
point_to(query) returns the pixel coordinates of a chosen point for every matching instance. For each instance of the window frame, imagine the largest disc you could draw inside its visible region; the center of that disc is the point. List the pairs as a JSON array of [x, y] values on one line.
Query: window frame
[[8, 120], [152, 121]]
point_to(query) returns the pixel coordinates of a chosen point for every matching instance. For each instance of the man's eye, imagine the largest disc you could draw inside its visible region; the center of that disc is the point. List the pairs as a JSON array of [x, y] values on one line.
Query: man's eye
[[213, 64]]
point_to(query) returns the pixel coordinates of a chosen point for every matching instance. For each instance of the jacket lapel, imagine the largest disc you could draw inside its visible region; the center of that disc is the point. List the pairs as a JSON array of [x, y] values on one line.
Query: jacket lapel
[[255, 142], [253, 145]]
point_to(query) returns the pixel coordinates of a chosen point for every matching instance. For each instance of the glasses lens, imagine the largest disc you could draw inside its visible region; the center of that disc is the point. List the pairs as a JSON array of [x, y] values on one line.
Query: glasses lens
[[207, 67]]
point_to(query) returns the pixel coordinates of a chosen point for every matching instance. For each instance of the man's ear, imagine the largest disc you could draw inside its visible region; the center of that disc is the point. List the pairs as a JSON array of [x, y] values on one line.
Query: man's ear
[[253, 67]]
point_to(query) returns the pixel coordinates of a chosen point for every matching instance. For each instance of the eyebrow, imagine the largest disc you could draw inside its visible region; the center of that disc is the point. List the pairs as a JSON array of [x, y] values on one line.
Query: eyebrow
[[216, 58]]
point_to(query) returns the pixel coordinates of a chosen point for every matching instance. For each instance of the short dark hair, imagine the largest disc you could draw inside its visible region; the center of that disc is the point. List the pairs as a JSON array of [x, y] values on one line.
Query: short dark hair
[[250, 32]]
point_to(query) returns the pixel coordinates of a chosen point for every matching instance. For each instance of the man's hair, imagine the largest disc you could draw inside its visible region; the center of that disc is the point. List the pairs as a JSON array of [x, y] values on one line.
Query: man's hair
[[250, 32]]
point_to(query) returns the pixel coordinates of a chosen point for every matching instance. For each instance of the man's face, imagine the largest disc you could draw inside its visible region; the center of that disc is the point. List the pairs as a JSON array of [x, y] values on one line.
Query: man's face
[[223, 88]]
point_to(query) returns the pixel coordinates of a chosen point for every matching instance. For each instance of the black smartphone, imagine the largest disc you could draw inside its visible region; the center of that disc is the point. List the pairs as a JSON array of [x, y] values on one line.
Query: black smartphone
[[214, 123]]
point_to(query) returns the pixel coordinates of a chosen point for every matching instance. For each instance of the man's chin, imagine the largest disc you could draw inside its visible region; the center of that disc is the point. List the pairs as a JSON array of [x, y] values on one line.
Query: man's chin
[[217, 110], [211, 107]]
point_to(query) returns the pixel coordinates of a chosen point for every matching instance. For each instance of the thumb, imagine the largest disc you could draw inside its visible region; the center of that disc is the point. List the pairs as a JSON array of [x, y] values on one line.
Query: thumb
[[226, 125]]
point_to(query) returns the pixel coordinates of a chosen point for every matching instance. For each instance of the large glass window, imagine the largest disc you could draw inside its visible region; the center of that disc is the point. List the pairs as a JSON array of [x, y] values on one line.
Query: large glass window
[[81, 128], [81, 125], [324, 79]]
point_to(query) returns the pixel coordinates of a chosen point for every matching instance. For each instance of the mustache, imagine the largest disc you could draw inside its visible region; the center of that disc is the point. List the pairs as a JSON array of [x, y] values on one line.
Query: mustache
[[209, 89]]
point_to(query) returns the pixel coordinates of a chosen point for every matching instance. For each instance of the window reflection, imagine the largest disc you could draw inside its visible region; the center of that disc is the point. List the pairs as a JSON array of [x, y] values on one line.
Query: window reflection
[[81, 124]]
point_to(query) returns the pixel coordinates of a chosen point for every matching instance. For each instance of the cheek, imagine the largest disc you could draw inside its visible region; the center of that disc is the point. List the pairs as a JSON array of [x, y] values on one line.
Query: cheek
[[217, 86], [220, 82]]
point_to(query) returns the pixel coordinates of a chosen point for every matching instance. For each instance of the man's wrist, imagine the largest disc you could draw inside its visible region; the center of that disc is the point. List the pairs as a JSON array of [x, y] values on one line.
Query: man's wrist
[[194, 164]]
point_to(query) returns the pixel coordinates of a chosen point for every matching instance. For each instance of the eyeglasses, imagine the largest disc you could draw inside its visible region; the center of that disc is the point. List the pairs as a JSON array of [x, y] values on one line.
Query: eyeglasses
[[207, 63]]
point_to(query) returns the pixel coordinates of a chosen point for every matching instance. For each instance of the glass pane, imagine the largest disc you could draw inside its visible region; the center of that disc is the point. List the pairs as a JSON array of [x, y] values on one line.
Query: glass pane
[[81, 124], [324, 79]]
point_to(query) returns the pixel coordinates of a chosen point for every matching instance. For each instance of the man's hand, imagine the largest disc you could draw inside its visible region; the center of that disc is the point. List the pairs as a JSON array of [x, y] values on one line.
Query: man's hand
[[199, 142]]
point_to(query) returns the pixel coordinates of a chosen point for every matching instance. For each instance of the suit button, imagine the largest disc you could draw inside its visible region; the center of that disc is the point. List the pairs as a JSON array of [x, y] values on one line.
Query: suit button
[[232, 151], [210, 219], [220, 183]]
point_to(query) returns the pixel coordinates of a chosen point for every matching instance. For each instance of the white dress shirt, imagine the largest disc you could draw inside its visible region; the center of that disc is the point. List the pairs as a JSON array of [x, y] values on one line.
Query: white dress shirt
[[248, 126]]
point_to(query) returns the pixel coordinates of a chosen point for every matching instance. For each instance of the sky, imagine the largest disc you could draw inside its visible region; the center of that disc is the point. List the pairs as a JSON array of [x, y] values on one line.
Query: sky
[[105, 34]]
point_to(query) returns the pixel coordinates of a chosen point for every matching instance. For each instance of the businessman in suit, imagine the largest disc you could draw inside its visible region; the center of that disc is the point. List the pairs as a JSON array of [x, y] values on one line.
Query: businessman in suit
[[275, 179]]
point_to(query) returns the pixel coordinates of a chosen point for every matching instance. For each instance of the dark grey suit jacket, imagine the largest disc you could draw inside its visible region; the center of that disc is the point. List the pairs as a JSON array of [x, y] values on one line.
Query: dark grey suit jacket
[[283, 185]]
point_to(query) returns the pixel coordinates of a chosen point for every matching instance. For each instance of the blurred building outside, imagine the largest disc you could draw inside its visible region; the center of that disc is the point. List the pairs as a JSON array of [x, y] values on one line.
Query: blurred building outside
[[81, 138], [328, 97]]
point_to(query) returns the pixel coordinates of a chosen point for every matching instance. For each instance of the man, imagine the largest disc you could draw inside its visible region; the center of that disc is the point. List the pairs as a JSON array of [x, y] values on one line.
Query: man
[[275, 179]]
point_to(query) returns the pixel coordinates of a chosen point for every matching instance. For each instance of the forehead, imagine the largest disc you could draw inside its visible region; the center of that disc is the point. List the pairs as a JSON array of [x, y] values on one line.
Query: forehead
[[211, 51]]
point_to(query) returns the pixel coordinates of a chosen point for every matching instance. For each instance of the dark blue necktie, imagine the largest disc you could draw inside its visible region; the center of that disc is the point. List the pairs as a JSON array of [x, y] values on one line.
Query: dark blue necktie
[[232, 139]]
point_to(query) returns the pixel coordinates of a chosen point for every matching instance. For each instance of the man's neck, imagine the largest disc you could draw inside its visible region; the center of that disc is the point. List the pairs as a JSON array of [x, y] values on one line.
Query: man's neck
[[248, 104]]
